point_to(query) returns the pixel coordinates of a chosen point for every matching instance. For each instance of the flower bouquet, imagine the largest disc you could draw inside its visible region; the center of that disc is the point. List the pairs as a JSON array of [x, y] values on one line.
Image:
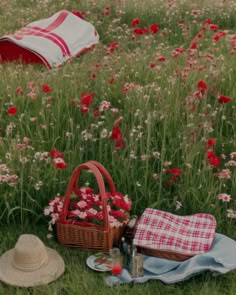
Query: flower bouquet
[[86, 208], [87, 219]]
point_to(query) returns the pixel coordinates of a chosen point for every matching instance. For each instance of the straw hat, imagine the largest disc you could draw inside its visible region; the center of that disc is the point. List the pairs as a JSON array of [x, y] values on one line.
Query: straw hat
[[30, 263]]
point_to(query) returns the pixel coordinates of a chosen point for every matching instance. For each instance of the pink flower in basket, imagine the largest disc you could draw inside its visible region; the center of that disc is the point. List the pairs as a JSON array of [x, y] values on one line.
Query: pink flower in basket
[[85, 207], [82, 204]]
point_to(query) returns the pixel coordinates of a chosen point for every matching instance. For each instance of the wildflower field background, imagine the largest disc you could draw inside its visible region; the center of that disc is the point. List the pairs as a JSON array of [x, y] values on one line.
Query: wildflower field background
[[154, 101]]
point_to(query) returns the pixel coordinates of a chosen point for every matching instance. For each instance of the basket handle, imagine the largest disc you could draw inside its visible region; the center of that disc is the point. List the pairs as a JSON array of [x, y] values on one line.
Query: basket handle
[[104, 173], [100, 182]]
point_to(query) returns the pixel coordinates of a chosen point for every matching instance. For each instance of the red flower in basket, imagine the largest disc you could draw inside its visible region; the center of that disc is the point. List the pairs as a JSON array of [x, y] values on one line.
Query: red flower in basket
[[85, 207]]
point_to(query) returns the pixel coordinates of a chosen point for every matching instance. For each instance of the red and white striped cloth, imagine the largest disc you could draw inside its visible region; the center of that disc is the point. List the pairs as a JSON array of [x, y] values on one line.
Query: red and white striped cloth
[[189, 235], [51, 41]]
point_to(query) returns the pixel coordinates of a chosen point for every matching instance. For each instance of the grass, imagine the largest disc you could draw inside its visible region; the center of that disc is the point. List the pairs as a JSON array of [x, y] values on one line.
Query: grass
[[164, 124], [79, 279]]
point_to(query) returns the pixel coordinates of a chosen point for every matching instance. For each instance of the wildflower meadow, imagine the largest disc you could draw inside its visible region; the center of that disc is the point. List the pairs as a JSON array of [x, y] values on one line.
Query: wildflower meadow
[[154, 101]]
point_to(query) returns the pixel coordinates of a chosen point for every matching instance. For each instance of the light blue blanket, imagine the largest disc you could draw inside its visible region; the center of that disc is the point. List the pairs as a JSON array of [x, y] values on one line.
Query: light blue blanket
[[221, 258]]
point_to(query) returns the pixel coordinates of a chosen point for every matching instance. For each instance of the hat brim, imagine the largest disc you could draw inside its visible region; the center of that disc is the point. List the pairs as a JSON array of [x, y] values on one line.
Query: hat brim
[[46, 274]]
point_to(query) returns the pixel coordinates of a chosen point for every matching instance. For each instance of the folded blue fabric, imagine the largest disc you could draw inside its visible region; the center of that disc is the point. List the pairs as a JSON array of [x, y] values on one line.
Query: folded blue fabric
[[220, 258]]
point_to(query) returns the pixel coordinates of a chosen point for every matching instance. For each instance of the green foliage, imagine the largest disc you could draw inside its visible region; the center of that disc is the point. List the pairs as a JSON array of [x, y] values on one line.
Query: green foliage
[[164, 124]]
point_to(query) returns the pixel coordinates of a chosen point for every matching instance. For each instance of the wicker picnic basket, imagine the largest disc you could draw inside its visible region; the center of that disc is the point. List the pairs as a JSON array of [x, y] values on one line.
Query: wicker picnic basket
[[89, 236], [166, 235]]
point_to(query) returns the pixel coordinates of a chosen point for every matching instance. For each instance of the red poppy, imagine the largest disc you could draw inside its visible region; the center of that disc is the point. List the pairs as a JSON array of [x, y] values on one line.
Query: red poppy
[[193, 45], [210, 143], [78, 13], [111, 46], [11, 110], [202, 86], [213, 27], [86, 98], [224, 99], [59, 163], [115, 133], [154, 28], [177, 51], [161, 58], [119, 143], [218, 35], [46, 88], [151, 64], [105, 12], [195, 12], [83, 109], [19, 90], [140, 31], [197, 94], [206, 21], [175, 173], [54, 153], [135, 22], [180, 22], [96, 112], [212, 158], [199, 35], [111, 80]]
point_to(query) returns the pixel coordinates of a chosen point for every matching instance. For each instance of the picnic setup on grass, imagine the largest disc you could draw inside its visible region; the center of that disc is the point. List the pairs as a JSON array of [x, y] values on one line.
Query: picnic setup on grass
[[156, 245]]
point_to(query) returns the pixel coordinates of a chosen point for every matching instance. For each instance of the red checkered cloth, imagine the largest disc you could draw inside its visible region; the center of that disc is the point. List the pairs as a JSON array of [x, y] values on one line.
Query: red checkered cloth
[[160, 230]]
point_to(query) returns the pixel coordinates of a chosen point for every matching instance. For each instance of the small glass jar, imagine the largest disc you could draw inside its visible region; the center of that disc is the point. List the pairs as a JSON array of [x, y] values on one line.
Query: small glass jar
[[137, 266], [116, 261]]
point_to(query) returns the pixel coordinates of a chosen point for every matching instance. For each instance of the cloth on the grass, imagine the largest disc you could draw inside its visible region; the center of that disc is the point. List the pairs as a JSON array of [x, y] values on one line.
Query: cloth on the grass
[[220, 258], [51, 41], [164, 231]]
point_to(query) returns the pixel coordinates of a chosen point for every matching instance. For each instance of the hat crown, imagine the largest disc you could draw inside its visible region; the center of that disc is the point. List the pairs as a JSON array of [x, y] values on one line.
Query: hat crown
[[29, 253]]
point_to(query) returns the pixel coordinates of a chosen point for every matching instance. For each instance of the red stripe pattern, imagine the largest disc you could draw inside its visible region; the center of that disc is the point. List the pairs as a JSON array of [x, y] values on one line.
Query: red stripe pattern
[[46, 33], [160, 230], [35, 31], [58, 21]]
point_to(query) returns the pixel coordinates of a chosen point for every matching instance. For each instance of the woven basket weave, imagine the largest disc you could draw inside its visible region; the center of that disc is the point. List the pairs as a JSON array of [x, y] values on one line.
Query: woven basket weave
[[164, 254], [89, 236]]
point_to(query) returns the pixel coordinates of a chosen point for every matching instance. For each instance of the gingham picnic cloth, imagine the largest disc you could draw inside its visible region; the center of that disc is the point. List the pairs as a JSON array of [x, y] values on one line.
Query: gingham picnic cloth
[[161, 230]]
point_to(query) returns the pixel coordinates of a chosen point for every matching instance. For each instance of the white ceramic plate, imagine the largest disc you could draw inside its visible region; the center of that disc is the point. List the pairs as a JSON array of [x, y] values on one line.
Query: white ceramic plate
[[96, 265]]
